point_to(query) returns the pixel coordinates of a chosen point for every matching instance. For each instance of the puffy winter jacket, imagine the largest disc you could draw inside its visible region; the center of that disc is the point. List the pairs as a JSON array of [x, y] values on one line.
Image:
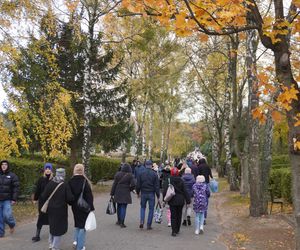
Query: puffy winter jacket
[[189, 181], [9, 185]]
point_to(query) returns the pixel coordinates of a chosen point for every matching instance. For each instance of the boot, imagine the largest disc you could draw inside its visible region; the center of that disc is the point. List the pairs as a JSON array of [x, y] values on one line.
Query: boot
[[37, 238], [184, 223], [122, 225], [189, 220]]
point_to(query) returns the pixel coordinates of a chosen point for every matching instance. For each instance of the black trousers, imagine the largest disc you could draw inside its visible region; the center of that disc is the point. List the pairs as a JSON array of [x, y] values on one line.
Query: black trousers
[[176, 214]]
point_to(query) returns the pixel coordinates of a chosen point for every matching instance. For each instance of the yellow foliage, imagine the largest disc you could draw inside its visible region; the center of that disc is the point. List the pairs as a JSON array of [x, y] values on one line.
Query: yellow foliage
[[8, 144], [287, 96]]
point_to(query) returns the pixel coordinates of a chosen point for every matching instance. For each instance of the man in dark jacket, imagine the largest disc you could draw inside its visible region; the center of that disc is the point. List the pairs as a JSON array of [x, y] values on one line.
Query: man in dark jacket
[[9, 188], [148, 185]]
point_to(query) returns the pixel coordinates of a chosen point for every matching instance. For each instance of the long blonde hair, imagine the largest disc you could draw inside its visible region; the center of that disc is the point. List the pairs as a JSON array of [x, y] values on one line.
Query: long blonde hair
[[79, 170]]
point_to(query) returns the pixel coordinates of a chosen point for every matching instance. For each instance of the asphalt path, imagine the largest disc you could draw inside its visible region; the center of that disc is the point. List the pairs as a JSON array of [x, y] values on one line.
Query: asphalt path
[[109, 236]]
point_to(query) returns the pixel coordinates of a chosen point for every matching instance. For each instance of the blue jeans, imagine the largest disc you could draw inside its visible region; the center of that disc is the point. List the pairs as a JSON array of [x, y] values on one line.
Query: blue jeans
[[199, 220], [150, 197], [6, 216], [79, 237], [121, 211]]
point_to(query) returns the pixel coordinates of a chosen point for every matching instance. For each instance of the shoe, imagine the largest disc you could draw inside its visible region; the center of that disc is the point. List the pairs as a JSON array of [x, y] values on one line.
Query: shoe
[[123, 225], [184, 223], [50, 246], [204, 223], [36, 239], [169, 224], [118, 223], [173, 234], [141, 226], [74, 244], [149, 228], [201, 229], [83, 248], [196, 231], [189, 220]]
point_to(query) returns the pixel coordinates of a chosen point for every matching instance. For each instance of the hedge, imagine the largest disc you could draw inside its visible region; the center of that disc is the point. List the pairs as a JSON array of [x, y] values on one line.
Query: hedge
[[29, 171], [281, 183], [280, 159]]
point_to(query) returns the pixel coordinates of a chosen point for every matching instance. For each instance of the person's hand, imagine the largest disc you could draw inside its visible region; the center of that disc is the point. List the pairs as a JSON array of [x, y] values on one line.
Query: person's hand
[[13, 202], [163, 204]]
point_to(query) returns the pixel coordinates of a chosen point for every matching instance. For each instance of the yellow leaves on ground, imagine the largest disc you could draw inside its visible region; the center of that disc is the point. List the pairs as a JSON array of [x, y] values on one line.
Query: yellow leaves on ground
[[287, 96]]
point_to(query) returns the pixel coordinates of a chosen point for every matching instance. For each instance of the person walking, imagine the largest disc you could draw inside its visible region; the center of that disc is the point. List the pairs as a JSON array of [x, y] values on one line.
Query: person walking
[[148, 186], [9, 189], [189, 180], [80, 183], [40, 187], [165, 176], [177, 202], [58, 207], [201, 194], [205, 170], [123, 184]]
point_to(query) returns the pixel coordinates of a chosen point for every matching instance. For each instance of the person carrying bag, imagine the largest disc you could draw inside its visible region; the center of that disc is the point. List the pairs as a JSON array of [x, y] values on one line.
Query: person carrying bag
[[46, 204]]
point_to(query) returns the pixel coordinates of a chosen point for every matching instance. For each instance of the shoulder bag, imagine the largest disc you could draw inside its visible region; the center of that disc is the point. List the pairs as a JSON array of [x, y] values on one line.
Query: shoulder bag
[[45, 206], [81, 202]]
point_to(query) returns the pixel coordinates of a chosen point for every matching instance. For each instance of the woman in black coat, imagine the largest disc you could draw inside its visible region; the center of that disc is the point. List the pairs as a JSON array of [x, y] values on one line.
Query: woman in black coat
[[76, 184], [177, 201], [40, 187], [124, 183], [58, 207]]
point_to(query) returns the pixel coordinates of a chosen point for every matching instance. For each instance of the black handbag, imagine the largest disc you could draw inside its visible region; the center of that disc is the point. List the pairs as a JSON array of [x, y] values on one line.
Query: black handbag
[[81, 202]]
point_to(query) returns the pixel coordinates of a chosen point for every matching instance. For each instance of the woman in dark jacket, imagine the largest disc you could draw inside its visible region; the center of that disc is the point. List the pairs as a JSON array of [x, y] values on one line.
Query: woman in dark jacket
[[189, 180], [124, 183], [40, 187], [76, 184], [58, 207], [177, 201]]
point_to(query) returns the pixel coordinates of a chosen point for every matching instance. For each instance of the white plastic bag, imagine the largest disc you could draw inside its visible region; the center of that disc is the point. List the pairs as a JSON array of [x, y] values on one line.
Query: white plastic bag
[[90, 223]]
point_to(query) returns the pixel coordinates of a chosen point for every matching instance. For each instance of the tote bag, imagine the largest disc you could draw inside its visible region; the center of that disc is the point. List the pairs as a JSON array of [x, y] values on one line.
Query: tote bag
[[90, 223], [170, 192], [158, 213], [46, 204], [214, 185], [111, 207]]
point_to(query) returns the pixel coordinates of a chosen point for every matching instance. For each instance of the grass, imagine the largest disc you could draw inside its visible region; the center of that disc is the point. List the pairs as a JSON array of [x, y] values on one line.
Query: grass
[[25, 211], [223, 184], [99, 189]]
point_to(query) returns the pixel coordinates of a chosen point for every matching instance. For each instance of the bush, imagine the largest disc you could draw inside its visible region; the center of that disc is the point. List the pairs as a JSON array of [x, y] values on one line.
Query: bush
[[280, 159], [281, 183], [29, 171], [103, 168]]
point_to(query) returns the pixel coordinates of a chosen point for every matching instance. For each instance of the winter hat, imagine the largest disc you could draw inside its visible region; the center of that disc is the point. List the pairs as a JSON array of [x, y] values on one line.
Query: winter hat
[[187, 171], [78, 169], [60, 173], [174, 171], [48, 166], [148, 163], [200, 178]]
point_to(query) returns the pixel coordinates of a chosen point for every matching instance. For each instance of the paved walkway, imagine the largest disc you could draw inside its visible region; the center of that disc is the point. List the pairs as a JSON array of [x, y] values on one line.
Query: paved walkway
[[108, 236]]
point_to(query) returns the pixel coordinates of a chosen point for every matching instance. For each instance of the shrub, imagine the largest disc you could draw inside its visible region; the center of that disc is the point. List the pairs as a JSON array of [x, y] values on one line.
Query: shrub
[[281, 183], [280, 159]]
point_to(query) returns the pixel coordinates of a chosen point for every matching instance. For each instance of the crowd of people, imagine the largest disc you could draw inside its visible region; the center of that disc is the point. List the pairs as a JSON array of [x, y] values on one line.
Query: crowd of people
[[189, 179]]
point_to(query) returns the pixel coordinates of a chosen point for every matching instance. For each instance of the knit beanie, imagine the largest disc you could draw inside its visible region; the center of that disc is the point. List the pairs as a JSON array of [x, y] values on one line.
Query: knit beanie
[[61, 173], [187, 171], [78, 169], [48, 166], [200, 178]]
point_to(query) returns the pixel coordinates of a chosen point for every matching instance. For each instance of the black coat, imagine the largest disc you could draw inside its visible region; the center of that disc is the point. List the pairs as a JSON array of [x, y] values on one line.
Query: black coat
[[40, 187], [181, 195], [76, 184], [9, 185], [124, 183], [205, 170], [58, 207], [147, 182]]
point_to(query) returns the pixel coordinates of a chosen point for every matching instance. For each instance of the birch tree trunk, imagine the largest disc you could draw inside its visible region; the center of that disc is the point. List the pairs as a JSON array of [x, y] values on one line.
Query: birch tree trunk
[[150, 143], [254, 153], [162, 143], [144, 141], [168, 137], [266, 162]]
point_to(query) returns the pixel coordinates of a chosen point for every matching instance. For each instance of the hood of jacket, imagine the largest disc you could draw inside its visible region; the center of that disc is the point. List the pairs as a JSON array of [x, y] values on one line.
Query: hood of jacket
[[126, 168], [8, 168]]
